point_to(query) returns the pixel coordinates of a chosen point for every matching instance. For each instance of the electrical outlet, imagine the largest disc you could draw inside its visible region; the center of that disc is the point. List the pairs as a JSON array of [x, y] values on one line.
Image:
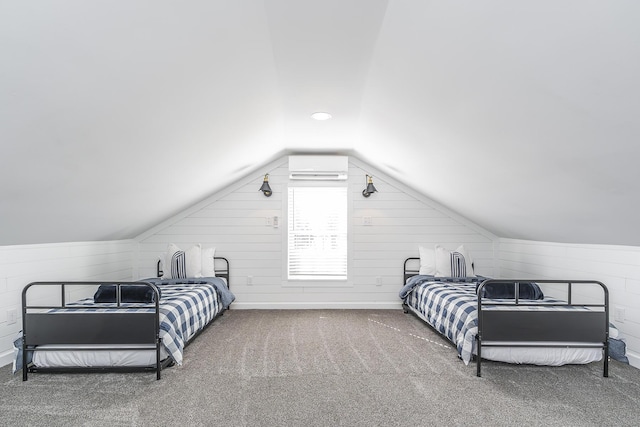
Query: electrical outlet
[[367, 220], [12, 316], [619, 314], [378, 281], [249, 280], [268, 221]]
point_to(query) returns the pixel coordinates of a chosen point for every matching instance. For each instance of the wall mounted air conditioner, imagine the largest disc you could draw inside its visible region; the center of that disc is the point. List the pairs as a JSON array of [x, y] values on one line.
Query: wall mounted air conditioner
[[318, 167]]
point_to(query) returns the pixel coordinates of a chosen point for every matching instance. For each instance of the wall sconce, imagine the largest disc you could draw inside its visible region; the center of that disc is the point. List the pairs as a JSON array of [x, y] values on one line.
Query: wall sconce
[[266, 190], [370, 188]]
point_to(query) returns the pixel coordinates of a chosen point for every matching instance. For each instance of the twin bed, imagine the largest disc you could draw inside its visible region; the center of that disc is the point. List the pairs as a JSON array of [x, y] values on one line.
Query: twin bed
[[118, 326], [146, 325], [511, 320]]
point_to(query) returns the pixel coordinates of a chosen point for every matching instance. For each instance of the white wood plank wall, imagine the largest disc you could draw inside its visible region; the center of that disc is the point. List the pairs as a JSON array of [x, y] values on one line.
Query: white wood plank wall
[[234, 222], [23, 264], [618, 267]]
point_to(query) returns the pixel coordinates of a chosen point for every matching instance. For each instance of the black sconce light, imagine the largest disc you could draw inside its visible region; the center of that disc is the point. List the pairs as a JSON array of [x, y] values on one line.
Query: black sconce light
[[265, 186], [370, 188]]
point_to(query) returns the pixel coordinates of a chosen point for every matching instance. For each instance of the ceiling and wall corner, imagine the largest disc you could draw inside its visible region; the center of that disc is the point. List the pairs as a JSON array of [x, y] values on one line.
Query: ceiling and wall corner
[[520, 116]]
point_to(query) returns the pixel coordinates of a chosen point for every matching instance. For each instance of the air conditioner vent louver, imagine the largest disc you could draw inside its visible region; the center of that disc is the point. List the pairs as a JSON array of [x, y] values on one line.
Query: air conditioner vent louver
[[318, 168], [316, 176]]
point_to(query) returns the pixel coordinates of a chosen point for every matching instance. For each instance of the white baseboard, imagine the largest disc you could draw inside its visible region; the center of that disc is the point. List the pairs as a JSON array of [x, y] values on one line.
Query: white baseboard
[[634, 359], [315, 305], [6, 358]]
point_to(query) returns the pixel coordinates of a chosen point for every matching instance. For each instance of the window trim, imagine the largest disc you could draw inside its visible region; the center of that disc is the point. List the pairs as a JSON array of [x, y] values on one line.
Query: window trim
[[316, 283]]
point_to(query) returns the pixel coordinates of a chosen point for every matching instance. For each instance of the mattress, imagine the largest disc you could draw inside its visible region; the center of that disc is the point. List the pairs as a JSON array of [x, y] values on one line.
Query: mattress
[[544, 356], [451, 309], [124, 357], [185, 309]]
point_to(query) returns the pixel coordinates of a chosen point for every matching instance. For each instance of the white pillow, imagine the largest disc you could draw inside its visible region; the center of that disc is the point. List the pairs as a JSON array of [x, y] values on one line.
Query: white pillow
[[443, 262], [180, 264], [208, 265], [194, 261], [427, 261], [166, 264]]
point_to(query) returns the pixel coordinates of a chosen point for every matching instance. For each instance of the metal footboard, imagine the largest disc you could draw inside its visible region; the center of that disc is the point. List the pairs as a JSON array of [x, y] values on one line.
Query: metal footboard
[[562, 324], [61, 324]]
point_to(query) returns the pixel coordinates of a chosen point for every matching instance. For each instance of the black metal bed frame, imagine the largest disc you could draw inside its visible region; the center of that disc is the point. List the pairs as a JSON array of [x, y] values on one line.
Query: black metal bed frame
[[501, 326], [109, 329]]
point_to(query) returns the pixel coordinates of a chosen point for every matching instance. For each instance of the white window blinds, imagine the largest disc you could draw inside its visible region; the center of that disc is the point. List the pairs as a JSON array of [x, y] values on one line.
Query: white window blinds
[[317, 242]]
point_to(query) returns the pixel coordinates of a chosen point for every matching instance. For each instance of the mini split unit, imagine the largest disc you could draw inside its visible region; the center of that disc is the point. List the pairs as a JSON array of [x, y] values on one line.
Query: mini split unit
[[318, 168]]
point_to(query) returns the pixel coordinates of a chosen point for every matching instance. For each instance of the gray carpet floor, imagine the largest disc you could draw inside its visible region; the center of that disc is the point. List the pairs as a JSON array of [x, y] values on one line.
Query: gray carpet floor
[[326, 368]]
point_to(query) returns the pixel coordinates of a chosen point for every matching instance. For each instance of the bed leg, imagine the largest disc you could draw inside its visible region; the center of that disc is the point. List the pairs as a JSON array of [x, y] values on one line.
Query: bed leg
[[478, 357], [158, 364], [605, 372], [24, 361]]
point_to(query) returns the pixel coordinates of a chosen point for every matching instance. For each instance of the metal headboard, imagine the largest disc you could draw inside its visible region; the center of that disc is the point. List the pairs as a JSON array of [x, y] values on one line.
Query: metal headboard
[[408, 271]]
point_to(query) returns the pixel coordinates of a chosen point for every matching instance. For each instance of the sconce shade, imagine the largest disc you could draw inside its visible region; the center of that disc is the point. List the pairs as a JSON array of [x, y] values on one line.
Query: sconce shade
[[265, 188], [370, 187]]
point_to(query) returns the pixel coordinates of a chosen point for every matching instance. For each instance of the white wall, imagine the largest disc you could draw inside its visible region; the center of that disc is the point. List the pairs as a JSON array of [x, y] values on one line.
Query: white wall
[[20, 265], [618, 267], [234, 221]]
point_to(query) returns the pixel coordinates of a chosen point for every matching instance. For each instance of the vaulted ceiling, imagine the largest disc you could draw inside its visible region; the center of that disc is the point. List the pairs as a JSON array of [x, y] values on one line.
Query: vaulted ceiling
[[521, 116]]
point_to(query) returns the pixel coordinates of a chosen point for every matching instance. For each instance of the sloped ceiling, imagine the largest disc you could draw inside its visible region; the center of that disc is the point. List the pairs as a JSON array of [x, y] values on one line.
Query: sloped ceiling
[[521, 116]]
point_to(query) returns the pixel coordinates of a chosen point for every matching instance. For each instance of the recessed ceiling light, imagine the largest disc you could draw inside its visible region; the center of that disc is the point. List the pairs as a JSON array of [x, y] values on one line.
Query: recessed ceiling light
[[321, 116]]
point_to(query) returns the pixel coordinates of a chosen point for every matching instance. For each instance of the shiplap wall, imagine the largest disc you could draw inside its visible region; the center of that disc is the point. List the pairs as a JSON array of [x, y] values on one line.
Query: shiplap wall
[[618, 267], [22, 264], [234, 222]]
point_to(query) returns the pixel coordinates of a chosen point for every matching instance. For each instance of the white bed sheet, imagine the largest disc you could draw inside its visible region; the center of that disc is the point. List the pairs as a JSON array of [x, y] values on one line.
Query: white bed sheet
[[124, 357], [544, 356]]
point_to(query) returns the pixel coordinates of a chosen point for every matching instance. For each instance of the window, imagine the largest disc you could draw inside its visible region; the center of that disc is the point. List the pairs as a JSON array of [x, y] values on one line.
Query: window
[[317, 234]]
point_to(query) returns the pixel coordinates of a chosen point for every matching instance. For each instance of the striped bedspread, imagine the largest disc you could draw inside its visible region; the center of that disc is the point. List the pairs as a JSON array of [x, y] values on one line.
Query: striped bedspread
[[185, 309], [452, 309]]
